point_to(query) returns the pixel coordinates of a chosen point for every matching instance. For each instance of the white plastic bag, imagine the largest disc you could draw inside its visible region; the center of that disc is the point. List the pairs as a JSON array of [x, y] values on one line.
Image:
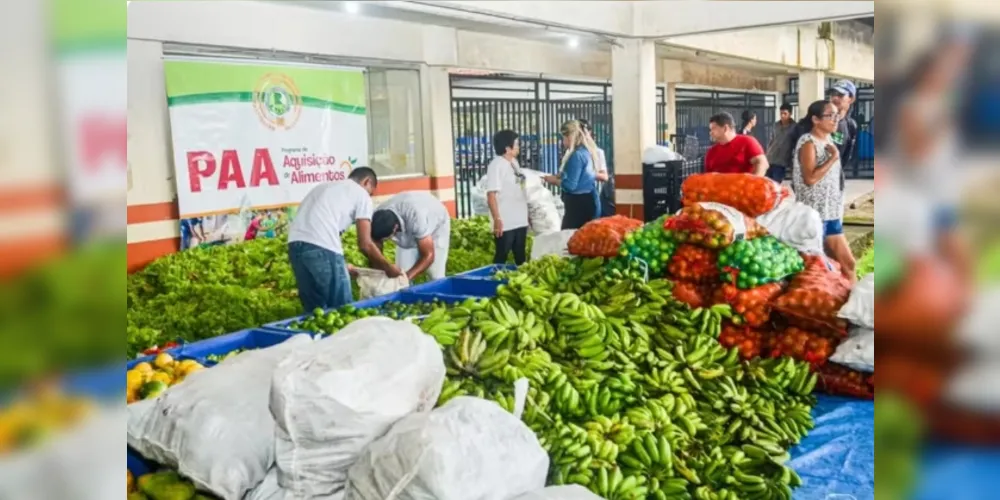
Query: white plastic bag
[[978, 330], [976, 386], [544, 215], [480, 205], [797, 225], [574, 492], [469, 449], [552, 244], [333, 400], [858, 351], [860, 307], [659, 154], [375, 283], [215, 428], [81, 463]]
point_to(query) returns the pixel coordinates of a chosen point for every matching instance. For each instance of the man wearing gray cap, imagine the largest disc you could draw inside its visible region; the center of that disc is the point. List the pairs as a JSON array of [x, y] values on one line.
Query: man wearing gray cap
[[842, 95]]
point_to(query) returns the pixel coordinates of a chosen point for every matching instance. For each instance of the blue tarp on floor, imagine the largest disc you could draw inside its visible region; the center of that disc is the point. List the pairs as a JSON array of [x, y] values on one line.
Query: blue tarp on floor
[[958, 473], [837, 459]]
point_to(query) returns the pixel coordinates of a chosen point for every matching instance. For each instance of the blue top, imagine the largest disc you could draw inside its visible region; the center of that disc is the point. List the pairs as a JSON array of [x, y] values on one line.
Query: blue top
[[580, 176]]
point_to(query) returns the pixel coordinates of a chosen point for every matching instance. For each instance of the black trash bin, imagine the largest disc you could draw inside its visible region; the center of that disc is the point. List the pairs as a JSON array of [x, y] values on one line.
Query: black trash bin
[[661, 188]]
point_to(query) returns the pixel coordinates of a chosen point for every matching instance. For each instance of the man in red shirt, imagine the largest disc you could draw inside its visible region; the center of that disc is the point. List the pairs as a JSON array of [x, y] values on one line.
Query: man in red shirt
[[732, 153]]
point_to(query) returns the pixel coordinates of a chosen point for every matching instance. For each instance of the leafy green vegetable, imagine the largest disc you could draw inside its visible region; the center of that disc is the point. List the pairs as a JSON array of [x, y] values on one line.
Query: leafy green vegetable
[[206, 292]]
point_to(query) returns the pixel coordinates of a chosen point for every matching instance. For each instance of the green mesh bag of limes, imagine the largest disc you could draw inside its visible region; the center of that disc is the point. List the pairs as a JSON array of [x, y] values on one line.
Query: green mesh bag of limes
[[753, 263]]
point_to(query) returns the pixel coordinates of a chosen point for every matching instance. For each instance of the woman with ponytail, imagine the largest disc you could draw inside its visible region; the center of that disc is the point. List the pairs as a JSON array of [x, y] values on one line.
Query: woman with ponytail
[[816, 179], [578, 177]]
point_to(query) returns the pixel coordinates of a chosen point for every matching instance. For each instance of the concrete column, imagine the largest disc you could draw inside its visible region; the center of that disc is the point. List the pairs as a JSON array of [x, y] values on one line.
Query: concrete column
[[439, 153], [438, 144], [402, 88], [812, 88], [633, 80]]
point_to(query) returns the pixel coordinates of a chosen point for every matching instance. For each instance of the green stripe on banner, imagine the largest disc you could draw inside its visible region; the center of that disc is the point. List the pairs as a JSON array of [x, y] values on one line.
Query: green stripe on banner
[[220, 97], [187, 78]]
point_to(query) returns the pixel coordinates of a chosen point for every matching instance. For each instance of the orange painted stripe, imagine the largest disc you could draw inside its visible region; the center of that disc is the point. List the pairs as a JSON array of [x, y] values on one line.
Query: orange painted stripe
[[628, 181], [15, 199], [452, 207], [636, 212], [154, 212], [23, 254], [396, 186], [443, 182], [141, 254]]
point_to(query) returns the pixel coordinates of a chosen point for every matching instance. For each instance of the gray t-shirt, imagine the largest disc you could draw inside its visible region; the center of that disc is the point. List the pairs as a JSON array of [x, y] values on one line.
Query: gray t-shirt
[[826, 196], [420, 215]]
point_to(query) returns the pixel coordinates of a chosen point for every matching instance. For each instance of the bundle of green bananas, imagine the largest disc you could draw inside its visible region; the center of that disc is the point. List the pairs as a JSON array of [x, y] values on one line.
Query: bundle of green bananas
[[631, 393]]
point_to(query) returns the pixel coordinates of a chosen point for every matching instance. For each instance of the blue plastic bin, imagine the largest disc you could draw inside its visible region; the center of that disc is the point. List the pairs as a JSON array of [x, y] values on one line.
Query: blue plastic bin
[[253, 338], [413, 296], [106, 384], [460, 286], [285, 324], [488, 272]]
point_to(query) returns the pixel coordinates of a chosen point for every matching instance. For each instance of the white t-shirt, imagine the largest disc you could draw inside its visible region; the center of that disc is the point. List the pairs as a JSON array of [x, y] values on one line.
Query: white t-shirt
[[329, 210], [421, 215], [505, 179], [602, 161]]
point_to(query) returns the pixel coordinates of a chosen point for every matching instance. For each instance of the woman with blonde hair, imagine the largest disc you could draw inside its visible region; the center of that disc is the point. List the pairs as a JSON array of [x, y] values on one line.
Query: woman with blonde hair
[[578, 177]]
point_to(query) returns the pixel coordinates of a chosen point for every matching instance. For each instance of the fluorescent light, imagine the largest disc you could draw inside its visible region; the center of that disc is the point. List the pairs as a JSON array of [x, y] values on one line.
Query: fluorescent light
[[352, 7], [573, 42]]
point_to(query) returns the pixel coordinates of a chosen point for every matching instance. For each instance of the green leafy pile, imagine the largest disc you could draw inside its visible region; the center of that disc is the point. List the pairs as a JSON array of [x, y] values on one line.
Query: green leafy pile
[[62, 316], [205, 292]]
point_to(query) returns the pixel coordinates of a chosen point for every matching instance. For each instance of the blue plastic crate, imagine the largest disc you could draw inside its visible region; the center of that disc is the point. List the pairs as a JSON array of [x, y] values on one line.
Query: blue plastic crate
[[247, 339], [413, 297], [138, 465], [488, 272], [106, 384], [285, 325], [460, 286]]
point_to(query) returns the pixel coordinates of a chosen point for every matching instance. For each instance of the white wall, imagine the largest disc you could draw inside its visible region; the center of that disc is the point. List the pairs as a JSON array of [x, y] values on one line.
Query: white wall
[[795, 47], [655, 19]]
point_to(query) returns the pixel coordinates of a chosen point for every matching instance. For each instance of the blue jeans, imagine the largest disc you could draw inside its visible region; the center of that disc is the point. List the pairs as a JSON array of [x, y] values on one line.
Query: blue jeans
[[321, 276]]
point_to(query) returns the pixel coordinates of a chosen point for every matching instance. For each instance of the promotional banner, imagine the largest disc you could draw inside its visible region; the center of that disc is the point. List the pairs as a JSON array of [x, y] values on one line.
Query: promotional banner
[[250, 141]]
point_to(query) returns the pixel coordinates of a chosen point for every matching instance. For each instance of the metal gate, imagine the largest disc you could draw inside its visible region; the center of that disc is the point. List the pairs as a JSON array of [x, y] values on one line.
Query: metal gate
[[535, 109], [863, 112], [696, 106]]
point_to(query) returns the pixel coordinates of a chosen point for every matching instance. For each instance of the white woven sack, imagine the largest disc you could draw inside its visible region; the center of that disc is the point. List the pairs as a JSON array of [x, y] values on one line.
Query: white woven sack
[[573, 492], [332, 401], [860, 307], [858, 351], [215, 428], [469, 449]]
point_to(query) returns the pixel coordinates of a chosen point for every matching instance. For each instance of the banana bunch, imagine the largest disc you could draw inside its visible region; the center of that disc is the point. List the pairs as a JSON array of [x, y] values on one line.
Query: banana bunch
[[565, 397], [650, 455], [570, 454], [628, 337], [521, 292], [535, 365], [702, 321], [602, 401], [470, 356], [454, 388], [615, 430], [759, 472], [785, 374], [444, 325], [615, 485]]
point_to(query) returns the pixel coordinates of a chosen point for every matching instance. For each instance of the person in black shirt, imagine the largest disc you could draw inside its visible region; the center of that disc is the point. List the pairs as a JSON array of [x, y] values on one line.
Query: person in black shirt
[[842, 95]]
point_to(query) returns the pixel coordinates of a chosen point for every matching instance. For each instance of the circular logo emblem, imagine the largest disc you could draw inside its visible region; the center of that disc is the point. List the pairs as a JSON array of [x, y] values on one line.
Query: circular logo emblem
[[277, 101]]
